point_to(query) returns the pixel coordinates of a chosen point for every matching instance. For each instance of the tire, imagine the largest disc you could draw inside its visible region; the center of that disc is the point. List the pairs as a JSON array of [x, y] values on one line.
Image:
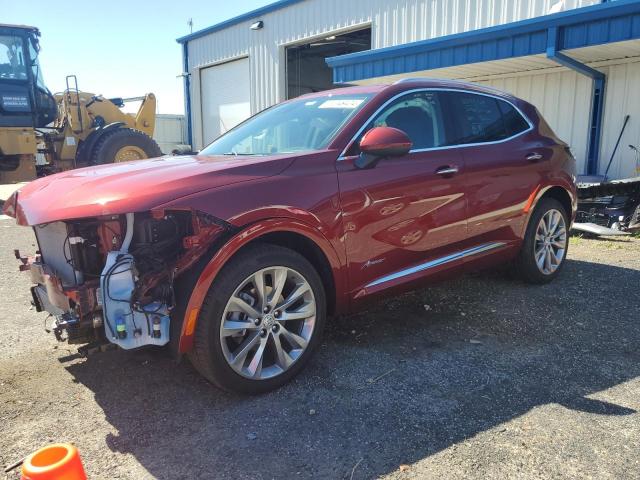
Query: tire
[[113, 144], [215, 349], [527, 266]]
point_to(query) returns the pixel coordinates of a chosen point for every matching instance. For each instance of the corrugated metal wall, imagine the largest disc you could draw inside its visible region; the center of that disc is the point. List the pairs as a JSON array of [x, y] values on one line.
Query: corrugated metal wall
[[560, 96], [393, 22], [170, 132], [622, 98], [564, 99]]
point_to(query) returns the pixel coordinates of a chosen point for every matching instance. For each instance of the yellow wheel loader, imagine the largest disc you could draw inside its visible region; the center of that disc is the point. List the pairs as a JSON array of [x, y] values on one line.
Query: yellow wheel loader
[[43, 133]]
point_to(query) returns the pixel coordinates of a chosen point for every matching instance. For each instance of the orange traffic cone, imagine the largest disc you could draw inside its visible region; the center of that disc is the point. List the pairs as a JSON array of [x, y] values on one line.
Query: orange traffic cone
[[60, 461]]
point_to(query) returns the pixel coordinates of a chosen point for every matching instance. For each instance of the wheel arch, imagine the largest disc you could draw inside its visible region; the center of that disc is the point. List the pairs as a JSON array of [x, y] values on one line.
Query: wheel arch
[[564, 195], [295, 235]]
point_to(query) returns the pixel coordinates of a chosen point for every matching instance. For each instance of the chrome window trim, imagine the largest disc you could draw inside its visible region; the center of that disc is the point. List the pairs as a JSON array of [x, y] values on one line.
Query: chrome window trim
[[435, 263], [343, 155]]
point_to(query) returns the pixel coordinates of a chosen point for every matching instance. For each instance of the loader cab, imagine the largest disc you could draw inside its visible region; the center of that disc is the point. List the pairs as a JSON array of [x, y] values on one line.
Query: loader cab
[[25, 101]]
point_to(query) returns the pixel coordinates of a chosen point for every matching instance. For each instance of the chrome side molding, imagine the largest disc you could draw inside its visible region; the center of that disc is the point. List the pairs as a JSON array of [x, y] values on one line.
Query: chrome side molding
[[436, 262]]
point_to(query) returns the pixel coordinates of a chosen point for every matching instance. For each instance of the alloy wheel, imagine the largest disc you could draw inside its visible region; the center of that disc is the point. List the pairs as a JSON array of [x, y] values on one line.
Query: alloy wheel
[[268, 323], [550, 242]]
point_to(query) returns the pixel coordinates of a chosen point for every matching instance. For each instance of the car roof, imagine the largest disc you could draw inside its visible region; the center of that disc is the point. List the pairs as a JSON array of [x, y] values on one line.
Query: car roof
[[408, 84]]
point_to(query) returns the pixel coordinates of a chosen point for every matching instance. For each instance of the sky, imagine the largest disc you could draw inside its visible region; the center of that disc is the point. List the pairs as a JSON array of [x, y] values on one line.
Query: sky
[[119, 48]]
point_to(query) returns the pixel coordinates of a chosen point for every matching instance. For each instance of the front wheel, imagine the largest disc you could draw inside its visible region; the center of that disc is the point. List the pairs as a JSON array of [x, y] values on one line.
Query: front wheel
[[544, 248], [260, 321]]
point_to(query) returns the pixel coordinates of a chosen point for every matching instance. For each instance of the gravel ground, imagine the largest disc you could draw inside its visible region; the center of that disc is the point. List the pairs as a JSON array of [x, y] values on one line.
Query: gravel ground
[[481, 376]]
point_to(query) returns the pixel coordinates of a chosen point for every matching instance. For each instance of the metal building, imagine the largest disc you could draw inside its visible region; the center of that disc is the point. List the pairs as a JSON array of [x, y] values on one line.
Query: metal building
[[171, 133], [578, 61]]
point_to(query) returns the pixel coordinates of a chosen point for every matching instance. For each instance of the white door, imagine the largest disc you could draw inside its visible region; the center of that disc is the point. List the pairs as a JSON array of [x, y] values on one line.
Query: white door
[[225, 97]]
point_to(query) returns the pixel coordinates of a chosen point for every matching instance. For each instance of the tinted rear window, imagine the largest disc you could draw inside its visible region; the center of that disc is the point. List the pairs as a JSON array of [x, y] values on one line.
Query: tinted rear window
[[513, 121], [481, 119]]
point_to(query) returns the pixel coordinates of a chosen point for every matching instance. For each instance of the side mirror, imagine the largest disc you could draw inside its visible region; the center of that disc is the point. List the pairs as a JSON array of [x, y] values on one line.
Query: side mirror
[[382, 142]]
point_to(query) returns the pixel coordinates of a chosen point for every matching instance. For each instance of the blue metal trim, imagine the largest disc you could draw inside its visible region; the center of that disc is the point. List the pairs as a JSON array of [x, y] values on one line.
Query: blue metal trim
[[435, 263], [252, 15], [597, 106], [187, 91], [580, 27]]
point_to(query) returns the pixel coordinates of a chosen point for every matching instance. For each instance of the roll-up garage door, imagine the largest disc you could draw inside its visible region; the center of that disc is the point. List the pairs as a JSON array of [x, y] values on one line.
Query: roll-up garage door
[[225, 97]]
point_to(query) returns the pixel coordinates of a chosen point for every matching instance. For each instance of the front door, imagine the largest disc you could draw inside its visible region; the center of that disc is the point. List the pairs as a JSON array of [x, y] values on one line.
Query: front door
[[406, 214]]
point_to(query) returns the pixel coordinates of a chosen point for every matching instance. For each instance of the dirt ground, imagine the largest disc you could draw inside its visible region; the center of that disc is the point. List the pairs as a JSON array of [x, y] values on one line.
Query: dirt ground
[[479, 377]]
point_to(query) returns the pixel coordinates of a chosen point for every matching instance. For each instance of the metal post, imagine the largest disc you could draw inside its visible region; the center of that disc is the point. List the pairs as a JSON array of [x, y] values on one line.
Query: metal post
[[554, 45], [187, 90]]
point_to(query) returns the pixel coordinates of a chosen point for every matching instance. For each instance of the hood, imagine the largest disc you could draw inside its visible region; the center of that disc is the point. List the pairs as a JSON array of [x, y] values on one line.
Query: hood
[[134, 186]]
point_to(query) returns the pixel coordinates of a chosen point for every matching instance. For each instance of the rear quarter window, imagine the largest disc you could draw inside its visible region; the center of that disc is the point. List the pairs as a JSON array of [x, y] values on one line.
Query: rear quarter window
[[514, 123]]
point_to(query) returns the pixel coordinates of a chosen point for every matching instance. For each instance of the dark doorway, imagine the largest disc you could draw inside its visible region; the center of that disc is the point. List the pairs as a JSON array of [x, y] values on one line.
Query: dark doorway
[[307, 71]]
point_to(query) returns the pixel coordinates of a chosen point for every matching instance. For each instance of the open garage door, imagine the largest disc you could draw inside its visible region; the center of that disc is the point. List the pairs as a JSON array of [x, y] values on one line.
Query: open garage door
[[307, 71], [225, 97]]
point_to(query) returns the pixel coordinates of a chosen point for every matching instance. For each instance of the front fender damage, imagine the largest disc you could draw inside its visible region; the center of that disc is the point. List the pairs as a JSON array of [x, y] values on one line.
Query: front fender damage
[[110, 280]]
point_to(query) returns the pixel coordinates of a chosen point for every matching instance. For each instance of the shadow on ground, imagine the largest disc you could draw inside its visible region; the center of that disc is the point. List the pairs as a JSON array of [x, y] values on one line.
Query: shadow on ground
[[390, 386]]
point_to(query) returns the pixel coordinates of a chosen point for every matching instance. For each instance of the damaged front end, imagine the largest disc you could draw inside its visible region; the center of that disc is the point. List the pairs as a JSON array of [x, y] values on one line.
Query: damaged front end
[[111, 278]]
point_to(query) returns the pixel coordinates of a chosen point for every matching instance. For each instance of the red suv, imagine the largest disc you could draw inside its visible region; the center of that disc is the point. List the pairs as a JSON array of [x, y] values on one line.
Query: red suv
[[309, 209]]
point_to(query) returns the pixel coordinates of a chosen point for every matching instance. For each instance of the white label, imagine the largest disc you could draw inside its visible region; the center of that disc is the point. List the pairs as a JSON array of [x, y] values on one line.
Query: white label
[[336, 103], [15, 101], [70, 141]]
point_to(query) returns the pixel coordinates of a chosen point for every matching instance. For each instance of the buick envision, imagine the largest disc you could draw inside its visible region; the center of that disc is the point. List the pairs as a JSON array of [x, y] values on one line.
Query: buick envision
[[311, 208]]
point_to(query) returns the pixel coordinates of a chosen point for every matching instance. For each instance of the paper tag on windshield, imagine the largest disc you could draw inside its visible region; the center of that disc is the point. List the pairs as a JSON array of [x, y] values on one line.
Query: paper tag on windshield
[[337, 103]]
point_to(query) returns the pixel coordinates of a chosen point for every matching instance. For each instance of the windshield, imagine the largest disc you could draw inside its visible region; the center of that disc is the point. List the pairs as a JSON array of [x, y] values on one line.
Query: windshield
[[12, 60], [35, 64], [298, 126]]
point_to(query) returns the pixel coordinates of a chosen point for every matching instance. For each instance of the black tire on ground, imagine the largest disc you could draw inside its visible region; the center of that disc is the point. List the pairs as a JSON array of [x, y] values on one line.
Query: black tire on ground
[[83, 154], [107, 147], [207, 355], [525, 264]]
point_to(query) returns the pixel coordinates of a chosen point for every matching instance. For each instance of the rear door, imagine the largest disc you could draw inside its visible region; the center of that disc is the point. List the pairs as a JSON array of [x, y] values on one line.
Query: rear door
[[504, 163], [404, 213]]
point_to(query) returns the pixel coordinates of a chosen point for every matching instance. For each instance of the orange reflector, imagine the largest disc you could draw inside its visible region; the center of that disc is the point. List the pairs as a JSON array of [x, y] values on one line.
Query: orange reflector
[[60, 461], [191, 321], [531, 199]]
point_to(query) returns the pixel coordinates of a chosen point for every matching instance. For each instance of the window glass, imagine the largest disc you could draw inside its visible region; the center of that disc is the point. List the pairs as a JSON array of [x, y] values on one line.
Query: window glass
[[481, 118], [12, 61], [416, 114], [305, 124], [35, 66], [513, 121], [478, 118]]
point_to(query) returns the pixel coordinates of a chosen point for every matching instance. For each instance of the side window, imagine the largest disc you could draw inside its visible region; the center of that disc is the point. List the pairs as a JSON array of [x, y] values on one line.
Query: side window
[[416, 114], [481, 118], [513, 121], [478, 118]]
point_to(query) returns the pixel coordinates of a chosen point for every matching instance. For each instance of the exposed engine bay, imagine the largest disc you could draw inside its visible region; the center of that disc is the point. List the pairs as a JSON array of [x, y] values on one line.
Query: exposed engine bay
[[112, 278]]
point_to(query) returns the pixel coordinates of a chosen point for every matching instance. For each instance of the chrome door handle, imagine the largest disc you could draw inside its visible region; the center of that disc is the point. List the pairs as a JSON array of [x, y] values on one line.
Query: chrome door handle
[[533, 157], [447, 170]]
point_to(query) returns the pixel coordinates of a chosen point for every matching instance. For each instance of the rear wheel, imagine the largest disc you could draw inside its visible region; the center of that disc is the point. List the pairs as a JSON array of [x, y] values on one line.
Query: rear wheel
[[124, 145], [260, 321], [545, 244]]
